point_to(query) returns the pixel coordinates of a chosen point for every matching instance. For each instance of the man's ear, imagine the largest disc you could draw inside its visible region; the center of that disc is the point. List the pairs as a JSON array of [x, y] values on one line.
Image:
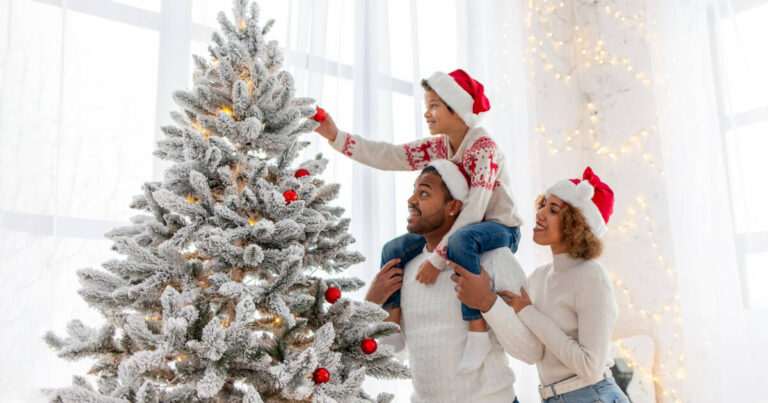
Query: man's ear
[[455, 207]]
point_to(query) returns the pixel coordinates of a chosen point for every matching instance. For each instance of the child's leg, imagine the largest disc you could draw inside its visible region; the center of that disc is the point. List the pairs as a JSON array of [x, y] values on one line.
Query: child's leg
[[404, 247], [464, 248]]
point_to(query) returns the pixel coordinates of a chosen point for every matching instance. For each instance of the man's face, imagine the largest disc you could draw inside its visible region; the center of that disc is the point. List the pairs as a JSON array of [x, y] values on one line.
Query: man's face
[[427, 207]]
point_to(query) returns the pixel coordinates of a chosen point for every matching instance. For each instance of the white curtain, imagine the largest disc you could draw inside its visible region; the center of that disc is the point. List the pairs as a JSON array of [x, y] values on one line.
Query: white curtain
[[711, 59], [85, 85]]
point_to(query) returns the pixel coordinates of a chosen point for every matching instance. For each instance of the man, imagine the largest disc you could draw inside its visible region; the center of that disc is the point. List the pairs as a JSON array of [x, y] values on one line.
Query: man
[[432, 326]]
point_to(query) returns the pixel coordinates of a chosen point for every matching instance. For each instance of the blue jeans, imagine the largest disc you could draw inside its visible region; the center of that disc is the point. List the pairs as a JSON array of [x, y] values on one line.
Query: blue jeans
[[605, 391], [464, 248]]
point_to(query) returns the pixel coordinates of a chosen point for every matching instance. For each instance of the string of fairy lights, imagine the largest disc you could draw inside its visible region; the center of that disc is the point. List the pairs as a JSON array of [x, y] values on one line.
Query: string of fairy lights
[[587, 52]]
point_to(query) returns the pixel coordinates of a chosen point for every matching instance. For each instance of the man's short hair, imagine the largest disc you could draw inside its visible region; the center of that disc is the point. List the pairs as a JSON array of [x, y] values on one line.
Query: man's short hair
[[447, 193]]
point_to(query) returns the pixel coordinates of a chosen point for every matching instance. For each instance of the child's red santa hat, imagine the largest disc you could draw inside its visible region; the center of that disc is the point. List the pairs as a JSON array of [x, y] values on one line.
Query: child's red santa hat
[[462, 93], [593, 197], [454, 177]]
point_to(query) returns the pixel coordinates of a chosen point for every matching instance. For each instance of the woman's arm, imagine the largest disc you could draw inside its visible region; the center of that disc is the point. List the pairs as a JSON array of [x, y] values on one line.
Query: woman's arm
[[596, 311]]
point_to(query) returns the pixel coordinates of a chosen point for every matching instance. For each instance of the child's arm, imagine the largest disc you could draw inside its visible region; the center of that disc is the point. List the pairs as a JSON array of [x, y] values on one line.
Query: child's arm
[[481, 162], [382, 155]]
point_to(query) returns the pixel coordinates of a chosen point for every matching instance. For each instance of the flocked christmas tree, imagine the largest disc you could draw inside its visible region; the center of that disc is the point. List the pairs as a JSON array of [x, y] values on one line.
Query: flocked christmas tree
[[218, 297]]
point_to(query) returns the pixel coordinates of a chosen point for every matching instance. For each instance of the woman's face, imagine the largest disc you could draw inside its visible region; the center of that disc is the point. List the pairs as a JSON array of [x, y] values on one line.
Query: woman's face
[[549, 222]]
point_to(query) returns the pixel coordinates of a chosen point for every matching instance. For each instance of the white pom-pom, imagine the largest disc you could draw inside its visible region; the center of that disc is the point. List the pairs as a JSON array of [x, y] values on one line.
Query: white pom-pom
[[584, 191]]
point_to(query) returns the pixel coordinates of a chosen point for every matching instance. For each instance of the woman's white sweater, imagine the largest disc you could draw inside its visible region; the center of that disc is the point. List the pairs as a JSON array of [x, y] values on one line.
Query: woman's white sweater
[[572, 316]]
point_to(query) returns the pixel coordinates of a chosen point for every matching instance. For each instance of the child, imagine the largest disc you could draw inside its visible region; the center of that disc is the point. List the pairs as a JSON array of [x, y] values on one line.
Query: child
[[488, 218]]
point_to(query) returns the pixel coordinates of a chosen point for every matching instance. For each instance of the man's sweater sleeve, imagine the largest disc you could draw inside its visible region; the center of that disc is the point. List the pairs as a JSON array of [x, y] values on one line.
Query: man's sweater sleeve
[[597, 311], [481, 162], [411, 156]]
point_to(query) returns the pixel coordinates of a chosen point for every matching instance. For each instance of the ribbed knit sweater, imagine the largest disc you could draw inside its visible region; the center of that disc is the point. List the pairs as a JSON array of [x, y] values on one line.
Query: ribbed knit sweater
[[490, 192], [435, 335], [572, 316]]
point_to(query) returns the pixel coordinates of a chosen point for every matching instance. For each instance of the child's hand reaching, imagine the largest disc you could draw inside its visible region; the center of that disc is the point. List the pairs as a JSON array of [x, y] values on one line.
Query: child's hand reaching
[[427, 273], [327, 128]]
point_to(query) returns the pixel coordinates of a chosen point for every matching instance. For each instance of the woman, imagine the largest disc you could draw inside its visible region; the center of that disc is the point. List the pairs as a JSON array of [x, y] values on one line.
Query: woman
[[571, 310]]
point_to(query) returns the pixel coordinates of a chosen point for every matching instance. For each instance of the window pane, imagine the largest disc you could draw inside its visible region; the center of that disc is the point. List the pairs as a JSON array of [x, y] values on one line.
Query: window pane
[[151, 5], [437, 36], [108, 116], [404, 130], [744, 59], [757, 278], [30, 107], [748, 165], [401, 40]]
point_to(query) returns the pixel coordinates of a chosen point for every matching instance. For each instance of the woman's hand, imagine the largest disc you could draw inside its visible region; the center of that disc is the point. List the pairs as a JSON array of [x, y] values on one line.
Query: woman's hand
[[388, 280], [517, 302], [328, 128], [474, 290]]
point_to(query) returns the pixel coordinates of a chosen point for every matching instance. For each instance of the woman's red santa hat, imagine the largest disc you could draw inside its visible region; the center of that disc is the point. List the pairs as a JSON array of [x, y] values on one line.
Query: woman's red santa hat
[[590, 195], [462, 93]]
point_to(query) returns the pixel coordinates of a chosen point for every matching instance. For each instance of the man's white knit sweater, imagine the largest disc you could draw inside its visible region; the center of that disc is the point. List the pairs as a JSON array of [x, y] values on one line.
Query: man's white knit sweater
[[572, 316], [490, 192], [435, 335]]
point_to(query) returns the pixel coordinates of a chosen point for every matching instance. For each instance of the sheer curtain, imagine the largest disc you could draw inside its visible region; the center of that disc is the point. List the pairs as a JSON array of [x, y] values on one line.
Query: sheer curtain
[[713, 104], [85, 85]]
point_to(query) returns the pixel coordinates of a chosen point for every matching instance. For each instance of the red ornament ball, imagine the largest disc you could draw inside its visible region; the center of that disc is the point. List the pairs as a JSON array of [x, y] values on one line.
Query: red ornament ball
[[321, 375], [368, 346], [301, 172], [320, 115], [290, 196], [332, 294]]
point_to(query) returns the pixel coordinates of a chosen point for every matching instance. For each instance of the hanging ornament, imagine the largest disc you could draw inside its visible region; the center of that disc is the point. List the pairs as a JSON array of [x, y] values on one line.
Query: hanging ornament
[[332, 294], [368, 345], [320, 115], [301, 172], [321, 375], [290, 196]]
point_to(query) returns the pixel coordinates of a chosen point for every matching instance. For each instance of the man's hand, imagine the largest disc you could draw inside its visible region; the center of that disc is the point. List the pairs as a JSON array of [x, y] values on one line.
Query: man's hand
[[474, 290], [427, 273], [388, 280], [517, 302], [328, 128]]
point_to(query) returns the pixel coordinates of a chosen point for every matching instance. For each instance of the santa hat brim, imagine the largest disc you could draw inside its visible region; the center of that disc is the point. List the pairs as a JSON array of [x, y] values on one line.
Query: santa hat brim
[[456, 97], [580, 197], [454, 179]]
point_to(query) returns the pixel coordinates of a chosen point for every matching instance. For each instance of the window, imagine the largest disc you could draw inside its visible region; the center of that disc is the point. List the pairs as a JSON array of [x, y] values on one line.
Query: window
[[738, 30]]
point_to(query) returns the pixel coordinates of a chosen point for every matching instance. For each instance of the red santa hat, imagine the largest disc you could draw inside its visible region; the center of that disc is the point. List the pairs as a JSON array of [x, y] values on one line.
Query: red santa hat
[[462, 93], [593, 197], [454, 177]]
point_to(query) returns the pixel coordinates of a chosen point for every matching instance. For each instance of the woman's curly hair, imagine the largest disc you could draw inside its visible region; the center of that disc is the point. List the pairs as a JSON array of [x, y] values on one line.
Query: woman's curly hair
[[580, 242]]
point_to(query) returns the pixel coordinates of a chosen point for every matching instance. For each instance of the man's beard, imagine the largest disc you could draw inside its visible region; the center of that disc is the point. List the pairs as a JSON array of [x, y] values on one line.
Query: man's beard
[[427, 224]]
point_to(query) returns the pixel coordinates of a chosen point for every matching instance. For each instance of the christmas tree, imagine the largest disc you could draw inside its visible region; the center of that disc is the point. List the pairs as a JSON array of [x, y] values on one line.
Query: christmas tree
[[219, 294]]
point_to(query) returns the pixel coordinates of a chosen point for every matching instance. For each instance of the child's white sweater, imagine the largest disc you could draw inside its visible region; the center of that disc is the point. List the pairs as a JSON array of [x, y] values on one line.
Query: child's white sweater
[[490, 193]]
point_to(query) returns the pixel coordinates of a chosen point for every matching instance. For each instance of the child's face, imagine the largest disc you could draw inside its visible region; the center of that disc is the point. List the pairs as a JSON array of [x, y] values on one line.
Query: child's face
[[439, 119]]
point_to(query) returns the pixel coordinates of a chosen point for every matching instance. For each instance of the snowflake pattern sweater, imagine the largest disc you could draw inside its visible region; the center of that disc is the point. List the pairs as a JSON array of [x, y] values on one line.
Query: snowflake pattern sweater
[[490, 194]]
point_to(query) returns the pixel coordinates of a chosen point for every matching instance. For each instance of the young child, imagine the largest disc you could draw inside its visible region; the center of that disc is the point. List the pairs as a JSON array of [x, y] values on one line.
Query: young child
[[488, 219]]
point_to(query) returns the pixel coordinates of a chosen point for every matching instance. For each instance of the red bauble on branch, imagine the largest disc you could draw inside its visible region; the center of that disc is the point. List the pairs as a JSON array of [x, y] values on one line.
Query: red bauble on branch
[[368, 346], [320, 115], [290, 196], [301, 172], [332, 294], [321, 375]]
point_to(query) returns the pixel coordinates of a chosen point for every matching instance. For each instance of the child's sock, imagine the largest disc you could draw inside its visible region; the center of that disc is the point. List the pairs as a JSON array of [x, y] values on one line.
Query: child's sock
[[478, 346]]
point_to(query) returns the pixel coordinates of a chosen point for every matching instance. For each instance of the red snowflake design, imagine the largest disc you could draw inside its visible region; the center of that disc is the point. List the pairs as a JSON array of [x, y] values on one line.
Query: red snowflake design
[[481, 161], [348, 143], [420, 153]]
